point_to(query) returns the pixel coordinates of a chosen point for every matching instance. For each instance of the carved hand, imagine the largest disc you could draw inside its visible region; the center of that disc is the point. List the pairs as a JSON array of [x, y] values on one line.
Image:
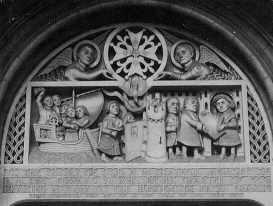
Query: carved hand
[[114, 133], [167, 73], [221, 127], [40, 90], [74, 126], [204, 129], [106, 73]]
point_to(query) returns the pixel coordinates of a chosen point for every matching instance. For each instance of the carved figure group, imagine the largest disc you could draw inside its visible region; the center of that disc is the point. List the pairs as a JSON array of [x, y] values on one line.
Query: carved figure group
[[173, 129], [184, 130], [67, 119], [135, 57], [46, 107]]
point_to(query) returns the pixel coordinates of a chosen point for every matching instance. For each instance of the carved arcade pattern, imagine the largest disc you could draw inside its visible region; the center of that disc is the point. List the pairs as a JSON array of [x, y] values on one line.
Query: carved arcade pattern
[[14, 148], [258, 137]]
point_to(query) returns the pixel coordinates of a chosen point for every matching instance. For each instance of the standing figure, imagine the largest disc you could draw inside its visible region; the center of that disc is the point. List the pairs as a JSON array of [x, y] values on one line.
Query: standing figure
[[184, 55], [86, 56], [60, 130], [83, 121], [63, 110], [191, 127], [82, 117], [227, 124], [71, 128], [57, 104], [109, 142], [45, 105], [172, 125]]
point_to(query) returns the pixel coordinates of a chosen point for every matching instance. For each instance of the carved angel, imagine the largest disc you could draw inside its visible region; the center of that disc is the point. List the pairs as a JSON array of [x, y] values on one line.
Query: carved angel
[[86, 56], [197, 63]]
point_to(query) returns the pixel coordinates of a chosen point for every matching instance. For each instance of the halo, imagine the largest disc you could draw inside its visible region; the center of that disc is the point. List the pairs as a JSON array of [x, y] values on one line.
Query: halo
[[91, 44], [195, 47], [221, 94]]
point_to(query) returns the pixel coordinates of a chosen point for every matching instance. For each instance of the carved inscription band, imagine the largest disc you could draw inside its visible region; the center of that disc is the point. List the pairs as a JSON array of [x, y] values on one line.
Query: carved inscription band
[[98, 182]]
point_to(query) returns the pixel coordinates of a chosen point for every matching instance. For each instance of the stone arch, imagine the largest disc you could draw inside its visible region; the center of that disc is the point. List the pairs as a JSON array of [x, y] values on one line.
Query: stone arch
[[250, 50]]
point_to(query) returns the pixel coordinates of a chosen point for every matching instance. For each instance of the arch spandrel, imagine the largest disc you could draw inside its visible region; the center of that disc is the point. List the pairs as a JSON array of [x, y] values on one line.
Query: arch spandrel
[[133, 109]]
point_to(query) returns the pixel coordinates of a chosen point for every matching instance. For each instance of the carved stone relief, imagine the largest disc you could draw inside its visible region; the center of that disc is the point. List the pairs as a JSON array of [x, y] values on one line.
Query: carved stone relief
[[138, 93]]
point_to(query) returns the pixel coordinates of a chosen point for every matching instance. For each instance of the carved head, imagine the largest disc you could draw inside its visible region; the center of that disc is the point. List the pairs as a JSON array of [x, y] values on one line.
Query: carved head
[[191, 103], [223, 102], [113, 107], [70, 112], [184, 53], [81, 111], [48, 102], [86, 53], [56, 100], [173, 105], [63, 109]]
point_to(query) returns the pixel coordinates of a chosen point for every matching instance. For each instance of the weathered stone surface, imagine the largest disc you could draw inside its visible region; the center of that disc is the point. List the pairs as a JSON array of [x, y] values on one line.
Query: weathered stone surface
[[140, 182]]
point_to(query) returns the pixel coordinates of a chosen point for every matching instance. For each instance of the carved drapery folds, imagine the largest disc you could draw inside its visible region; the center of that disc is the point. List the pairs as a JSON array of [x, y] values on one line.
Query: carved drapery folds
[[139, 92]]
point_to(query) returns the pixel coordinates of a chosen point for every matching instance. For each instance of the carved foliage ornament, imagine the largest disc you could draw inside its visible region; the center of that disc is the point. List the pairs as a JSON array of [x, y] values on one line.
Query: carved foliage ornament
[[135, 50]]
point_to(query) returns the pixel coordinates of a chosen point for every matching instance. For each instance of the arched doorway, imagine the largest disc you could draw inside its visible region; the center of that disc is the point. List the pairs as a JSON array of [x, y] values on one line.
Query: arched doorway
[[105, 27]]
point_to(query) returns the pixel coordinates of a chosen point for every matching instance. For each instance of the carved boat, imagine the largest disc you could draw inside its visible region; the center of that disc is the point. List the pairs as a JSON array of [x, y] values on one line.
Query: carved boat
[[47, 135]]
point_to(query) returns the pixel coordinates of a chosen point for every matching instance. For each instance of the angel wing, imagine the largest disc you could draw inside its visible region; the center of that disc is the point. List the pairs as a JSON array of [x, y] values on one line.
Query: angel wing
[[62, 59], [207, 55], [55, 69]]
